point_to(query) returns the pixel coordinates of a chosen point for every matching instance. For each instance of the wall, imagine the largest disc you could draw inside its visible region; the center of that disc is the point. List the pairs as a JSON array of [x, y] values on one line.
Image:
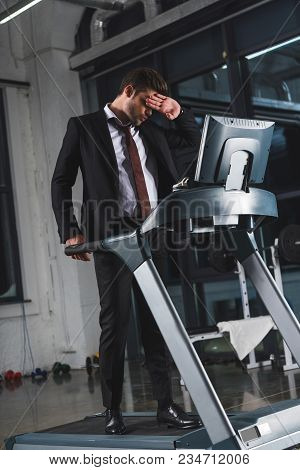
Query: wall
[[62, 314]]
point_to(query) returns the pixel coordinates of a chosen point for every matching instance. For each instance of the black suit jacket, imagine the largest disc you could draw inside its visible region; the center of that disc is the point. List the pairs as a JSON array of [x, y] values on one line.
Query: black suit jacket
[[88, 145]]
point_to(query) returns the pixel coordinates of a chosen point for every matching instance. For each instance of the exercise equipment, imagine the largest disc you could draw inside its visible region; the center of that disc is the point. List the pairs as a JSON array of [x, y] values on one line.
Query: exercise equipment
[[286, 247], [289, 243], [39, 374], [12, 380], [232, 158], [221, 259], [59, 368], [89, 366], [92, 363], [11, 376], [273, 254]]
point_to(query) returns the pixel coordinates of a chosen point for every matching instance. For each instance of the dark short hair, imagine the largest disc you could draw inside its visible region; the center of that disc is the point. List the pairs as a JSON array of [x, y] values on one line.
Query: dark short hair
[[142, 79]]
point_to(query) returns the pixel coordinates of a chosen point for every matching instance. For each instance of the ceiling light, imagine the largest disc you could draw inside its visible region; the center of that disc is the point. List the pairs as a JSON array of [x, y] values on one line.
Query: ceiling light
[[273, 48], [16, 9]]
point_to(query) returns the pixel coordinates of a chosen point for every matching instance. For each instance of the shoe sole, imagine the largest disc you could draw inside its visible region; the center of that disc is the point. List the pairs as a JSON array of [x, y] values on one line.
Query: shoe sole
[[115, 433], [170, 425]]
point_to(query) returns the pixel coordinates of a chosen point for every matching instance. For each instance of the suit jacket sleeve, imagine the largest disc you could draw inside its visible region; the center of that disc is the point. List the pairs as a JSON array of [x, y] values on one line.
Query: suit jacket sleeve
[[186, 132], [63, 179]]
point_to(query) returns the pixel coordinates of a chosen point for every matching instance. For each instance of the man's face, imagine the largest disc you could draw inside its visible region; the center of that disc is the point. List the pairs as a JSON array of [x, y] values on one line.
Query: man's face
[[136, 108]]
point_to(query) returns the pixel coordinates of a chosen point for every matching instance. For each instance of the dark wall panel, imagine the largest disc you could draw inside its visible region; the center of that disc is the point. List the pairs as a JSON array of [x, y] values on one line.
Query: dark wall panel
[[266, 25], [204, 50]]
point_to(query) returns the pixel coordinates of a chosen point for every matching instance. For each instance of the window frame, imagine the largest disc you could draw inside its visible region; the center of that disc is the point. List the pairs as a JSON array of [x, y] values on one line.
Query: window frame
[[6, 188]]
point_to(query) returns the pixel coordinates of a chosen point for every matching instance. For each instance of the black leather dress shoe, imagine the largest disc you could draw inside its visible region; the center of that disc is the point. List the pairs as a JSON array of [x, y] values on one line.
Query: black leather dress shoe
[[174, 416], [114, 422]]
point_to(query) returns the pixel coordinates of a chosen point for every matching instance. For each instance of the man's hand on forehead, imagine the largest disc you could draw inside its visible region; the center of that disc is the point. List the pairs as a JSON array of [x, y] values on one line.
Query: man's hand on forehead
[[164, 104], [154, 101]]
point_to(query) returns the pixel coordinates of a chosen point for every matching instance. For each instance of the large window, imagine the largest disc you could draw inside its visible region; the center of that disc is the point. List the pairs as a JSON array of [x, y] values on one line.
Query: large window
[[10, 282], [283, 170], [210, 86], [275, 76]]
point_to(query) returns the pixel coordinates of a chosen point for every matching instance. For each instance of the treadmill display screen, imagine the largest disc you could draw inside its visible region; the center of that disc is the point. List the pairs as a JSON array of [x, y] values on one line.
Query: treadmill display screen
[[250, 434]]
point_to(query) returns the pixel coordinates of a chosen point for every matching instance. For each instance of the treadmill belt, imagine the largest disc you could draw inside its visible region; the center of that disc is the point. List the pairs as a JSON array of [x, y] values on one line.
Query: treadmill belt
[[135, 425]]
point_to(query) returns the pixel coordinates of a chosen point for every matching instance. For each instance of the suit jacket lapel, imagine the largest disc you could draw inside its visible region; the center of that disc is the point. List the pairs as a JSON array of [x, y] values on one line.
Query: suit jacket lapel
[[102, 138]]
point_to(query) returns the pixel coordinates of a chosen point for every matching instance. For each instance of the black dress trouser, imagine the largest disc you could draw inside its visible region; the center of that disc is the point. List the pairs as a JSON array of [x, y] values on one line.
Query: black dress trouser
[[114, 283]]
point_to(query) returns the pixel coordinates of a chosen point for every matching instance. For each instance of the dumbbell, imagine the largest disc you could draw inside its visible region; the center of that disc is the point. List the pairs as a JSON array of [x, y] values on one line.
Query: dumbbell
[[92, 363], [289, 243], [89, 366], [59, 368], [39, 374], [288, 247], [11, 376]]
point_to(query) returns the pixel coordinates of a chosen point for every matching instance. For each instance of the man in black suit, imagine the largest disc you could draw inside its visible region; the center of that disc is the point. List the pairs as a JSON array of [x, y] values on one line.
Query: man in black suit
[[127, 167]]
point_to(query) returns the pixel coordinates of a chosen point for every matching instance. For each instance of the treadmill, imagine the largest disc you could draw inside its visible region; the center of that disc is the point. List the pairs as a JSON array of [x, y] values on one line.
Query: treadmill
[[222, 198]]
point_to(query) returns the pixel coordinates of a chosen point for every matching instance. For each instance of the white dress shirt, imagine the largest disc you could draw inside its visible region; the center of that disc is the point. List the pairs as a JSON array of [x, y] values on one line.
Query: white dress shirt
[[127, 190]]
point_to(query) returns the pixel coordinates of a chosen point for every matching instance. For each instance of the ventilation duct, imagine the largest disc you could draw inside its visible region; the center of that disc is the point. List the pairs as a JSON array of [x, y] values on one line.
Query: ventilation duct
[[101, 18]]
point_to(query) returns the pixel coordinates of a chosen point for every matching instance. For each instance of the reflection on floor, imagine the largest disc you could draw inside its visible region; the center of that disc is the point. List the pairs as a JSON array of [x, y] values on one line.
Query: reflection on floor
[[32, 407]]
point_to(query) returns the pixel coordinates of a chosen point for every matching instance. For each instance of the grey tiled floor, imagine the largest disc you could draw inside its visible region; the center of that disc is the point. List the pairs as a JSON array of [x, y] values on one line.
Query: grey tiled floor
[[31, 406]]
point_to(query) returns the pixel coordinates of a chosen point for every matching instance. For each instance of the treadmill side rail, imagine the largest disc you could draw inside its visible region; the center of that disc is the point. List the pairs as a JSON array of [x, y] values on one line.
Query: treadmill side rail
[[185, 357]]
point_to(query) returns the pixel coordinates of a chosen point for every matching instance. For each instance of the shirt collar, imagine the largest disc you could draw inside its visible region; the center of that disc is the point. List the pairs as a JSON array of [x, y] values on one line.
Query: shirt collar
[[110, 115]]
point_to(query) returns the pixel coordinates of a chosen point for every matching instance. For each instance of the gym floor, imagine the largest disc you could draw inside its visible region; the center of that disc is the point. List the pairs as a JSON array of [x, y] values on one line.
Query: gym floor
[[35, 406]]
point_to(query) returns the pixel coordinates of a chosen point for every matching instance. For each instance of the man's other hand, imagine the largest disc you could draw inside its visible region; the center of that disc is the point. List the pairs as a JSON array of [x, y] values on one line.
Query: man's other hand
[[75, 241], [165, 105]]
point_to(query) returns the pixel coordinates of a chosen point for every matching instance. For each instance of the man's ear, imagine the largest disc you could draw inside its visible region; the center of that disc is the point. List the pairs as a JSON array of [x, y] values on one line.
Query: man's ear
[[129, 91]]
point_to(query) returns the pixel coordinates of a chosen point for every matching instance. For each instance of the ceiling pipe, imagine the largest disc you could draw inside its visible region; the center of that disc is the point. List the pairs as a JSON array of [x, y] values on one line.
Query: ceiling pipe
[[101, 18], [107, 5], [105, 9]]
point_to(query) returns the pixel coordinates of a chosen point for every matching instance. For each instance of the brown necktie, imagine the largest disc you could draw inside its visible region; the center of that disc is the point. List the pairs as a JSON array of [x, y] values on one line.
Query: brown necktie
[[143, 196]]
